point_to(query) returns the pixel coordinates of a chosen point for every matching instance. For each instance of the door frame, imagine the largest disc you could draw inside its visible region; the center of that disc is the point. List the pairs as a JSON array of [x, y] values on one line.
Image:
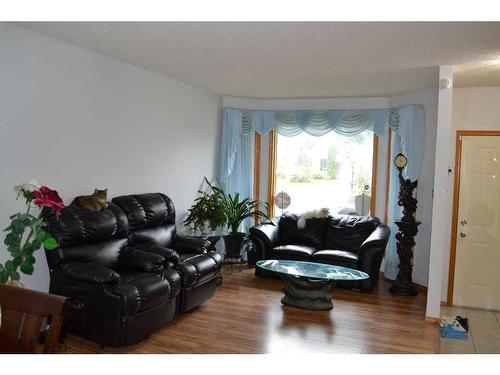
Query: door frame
[[456, 201]]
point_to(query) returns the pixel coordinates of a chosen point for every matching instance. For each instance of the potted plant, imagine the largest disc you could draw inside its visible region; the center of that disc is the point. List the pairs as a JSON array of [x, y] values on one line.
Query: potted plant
[[207, 213], [237, 210], [26, 233]]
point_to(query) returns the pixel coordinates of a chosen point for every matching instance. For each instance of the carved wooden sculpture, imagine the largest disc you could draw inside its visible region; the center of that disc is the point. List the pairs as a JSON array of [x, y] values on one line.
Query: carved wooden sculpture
[[408, 229]]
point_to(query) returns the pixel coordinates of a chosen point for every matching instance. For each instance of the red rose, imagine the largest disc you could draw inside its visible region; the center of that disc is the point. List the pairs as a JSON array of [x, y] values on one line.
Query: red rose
[[45, 197]]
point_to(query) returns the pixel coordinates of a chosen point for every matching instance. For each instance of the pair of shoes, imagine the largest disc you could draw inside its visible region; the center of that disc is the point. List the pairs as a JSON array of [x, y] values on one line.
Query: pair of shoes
[[448, 332], [457, 323], [463, 322]]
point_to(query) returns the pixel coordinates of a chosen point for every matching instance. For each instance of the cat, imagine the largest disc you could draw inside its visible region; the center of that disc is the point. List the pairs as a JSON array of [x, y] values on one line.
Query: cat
[[95, 202], [322, 213]]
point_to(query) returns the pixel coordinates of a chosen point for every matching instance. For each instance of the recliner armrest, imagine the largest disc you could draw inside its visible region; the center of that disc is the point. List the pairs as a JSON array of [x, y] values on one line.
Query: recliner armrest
[[170, 255], [190, 244], [378, 238], [89, 273], [133, 258]]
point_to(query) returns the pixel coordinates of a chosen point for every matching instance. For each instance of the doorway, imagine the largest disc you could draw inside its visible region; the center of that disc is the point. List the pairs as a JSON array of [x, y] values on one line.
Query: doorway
[[474, 273]]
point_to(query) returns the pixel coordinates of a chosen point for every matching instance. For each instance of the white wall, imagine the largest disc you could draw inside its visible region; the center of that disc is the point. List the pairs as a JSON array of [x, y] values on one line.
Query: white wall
[[427, 98], [75, 120], [474, 108]]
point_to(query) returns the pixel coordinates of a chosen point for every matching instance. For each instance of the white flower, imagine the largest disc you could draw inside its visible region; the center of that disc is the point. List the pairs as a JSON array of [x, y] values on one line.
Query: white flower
[[27, 187]]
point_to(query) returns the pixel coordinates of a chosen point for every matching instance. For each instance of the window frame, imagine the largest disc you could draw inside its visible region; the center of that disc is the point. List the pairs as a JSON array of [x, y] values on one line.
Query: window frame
[[271, 175]]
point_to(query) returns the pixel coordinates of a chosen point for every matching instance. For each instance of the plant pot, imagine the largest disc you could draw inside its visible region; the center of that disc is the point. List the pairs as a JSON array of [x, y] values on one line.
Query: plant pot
[[233, 243]]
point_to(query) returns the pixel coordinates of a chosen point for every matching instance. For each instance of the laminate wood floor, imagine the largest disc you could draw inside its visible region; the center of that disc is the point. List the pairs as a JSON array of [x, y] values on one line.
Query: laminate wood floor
[[246, 316]]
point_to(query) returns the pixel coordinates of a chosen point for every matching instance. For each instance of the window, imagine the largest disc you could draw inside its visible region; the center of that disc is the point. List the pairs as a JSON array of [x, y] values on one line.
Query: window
[[331, 171]]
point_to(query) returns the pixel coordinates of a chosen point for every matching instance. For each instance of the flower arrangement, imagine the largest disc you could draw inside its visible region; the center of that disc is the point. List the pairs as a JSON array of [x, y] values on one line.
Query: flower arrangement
[[26, 233]]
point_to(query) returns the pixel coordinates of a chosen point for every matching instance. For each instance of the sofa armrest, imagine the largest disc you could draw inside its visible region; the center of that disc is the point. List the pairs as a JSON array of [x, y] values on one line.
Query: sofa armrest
[[190, 244], [169, 255], [133, 258], [265, 237], [378, 238], [89, 273], [371, 253]]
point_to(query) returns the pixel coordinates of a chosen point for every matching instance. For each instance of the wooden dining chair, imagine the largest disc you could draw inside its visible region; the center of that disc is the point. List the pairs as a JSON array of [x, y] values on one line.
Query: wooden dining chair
[[22, 312]]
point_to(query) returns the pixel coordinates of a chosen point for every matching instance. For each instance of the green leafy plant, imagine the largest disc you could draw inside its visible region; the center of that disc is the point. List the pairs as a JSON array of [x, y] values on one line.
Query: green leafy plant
[[206, 208], [26, 233], [236, 210]]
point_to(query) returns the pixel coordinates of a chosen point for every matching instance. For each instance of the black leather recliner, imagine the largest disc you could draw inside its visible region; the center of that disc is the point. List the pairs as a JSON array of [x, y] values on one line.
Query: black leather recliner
[[118, 295], [151, 219], [125, 270], [351, 241]]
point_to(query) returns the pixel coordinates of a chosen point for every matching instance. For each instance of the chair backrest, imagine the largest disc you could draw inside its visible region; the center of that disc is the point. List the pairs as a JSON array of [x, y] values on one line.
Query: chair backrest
[[22, 311], [151, 218], [85, 236]]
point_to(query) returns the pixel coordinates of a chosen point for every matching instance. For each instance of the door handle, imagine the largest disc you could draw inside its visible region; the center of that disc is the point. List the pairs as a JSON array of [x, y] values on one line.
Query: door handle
[[462, 234]]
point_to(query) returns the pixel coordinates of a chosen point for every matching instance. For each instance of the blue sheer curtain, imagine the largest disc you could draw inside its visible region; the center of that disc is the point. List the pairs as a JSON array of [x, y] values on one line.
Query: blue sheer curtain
[[237, 158], [408, 136]]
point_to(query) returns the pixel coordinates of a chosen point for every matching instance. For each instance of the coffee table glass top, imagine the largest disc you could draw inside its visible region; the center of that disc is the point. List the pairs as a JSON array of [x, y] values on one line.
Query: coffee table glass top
[[312, 270]]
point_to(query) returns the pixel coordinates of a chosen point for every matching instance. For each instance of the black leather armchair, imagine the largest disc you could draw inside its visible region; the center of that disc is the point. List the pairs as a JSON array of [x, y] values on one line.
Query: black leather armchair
[[351, 241], [118, 295], [151, 219]]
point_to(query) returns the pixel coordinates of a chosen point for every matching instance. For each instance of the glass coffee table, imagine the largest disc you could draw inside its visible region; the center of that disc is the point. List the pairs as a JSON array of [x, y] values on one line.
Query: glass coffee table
[[309, 285]]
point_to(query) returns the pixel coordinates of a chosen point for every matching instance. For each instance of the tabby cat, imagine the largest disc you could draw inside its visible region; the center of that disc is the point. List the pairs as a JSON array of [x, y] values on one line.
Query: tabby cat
[[95, 202]]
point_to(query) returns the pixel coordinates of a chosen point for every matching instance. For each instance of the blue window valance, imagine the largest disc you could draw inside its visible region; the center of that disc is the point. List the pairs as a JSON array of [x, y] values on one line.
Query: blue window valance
[[316, 123]]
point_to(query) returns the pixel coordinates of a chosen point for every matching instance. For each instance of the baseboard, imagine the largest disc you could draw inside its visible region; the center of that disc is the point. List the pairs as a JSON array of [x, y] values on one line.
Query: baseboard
[[431, 320]]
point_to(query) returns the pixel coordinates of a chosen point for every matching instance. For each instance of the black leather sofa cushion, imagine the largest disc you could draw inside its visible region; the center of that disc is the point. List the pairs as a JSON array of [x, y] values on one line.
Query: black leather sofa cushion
[[337, 257], [311, 235], [86, 236], [292, 252], [151, 218], [105, 254], [161, 236], [348, 232], [146, 210], [143, 291], [77, 226]]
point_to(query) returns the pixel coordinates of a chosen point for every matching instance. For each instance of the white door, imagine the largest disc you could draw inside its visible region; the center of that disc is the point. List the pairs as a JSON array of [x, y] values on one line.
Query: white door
[[477, 261]]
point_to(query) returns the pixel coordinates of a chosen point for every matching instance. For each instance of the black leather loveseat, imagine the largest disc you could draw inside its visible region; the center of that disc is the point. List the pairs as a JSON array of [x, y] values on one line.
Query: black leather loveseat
[[125, 269], [357, 242]]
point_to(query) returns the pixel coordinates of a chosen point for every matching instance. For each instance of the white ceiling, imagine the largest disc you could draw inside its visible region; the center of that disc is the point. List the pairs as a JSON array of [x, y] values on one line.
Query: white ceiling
[[285, 59]]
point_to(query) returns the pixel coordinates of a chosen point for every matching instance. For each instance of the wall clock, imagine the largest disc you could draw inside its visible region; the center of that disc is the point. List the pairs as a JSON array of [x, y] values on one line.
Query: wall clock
[[400, 161]]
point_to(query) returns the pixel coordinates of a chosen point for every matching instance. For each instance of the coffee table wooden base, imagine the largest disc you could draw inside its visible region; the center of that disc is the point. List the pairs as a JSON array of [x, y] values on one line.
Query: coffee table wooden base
[[311, 294]]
